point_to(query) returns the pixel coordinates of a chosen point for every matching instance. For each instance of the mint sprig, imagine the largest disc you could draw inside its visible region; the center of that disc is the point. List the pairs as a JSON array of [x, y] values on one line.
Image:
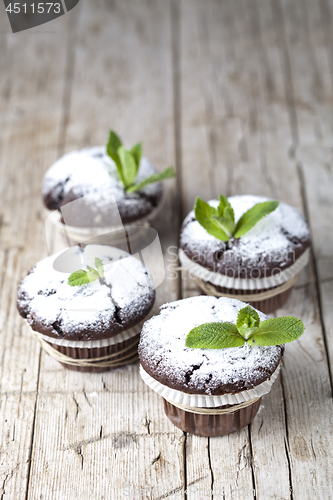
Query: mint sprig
[[128, 162], [220, 221], [166, 174], [248, 330], [213, 335], [82, 277]]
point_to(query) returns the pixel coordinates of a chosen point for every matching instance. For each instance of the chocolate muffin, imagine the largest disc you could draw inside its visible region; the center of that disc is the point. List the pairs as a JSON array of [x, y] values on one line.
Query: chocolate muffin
[[197, 382], [101, 319], [261, 266], [90, 177]]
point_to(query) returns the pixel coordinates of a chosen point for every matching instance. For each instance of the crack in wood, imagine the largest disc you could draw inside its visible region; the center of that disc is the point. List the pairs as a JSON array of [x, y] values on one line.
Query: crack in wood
[[77, 406], [80, 454], [286, 440], [29, 461], [156, 459], [251, 462], [7, 478], [147, 423], [86, 398], [211, 469]]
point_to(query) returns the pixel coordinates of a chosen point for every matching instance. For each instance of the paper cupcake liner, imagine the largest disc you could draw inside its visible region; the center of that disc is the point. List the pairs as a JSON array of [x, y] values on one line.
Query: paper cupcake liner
[[244, 283], [210, 424], [203, 401], [266, 301], [95, 360], [79, 234], [93, 344]]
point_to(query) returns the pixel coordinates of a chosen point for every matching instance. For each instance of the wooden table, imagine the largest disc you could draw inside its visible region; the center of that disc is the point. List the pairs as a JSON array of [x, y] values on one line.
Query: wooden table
[[238, 95]]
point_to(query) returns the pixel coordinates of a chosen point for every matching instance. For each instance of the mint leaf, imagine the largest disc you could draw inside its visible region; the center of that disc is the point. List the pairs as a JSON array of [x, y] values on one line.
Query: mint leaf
[[137, 153], [99, 266], [225, 209], [112, 147], [82, 277], [78, 278], [207, 217], [128, 166], [249, 329], [214, 336], [166, 174], [254, 215], [225, 216], [93, 275], [226, 224], [276, 331], [247, 319]]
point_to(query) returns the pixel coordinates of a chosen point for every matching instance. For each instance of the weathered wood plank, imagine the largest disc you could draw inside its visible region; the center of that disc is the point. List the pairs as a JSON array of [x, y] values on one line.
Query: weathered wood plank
[[297, 55], [246, 57], [109, 429], [308, 403], [30, 120], [115, 445], [255, 91], [210, 139]]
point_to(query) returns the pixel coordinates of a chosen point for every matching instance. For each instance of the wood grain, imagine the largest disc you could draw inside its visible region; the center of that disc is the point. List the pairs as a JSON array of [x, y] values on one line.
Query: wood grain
[[30, 121], [114, 416], [237, 95]]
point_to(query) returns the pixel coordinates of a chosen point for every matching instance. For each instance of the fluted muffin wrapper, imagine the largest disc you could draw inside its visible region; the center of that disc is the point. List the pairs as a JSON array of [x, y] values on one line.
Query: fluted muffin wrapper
[[94, 344], [211, 425], [206, 401], [222, 280], [121, 354], [80, 234]]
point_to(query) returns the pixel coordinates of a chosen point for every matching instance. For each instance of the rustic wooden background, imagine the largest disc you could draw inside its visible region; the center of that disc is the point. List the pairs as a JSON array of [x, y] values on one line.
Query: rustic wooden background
[[238, 95]]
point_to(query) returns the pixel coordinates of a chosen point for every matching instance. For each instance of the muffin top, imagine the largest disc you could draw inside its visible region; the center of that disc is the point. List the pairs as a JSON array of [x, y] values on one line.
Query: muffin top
[[163, 354], [100, 309], [90, 176], [272, 245]]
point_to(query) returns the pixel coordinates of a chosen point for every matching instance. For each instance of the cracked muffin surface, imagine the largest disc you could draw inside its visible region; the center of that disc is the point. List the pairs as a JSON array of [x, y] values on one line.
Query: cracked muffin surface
[[90, 179], [98, 310], [271, 246], [164, 357]]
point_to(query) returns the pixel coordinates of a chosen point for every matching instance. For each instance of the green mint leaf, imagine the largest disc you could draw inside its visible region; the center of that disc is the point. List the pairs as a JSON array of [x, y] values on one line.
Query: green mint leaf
[[276, 331], [99, 266], [82, 277], [114, 143], [78, 278], [166, 174], [214, 336], [137, 153], [128, 166], [247, 319], [207, 216], [226, 215], [93, 275], [254, 215], [226, 224], [225, 209]]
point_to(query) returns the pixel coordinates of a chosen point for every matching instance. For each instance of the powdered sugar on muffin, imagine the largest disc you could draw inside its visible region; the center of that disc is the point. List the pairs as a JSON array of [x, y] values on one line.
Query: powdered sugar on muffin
[[90, 176], [275, 242], [103, 308], [164, 356]]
